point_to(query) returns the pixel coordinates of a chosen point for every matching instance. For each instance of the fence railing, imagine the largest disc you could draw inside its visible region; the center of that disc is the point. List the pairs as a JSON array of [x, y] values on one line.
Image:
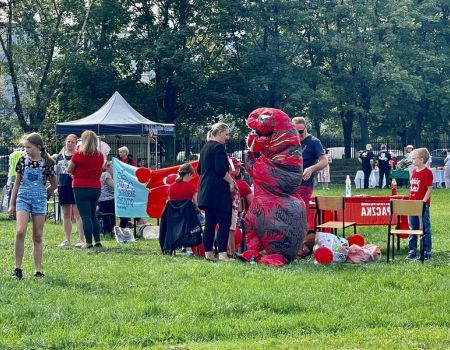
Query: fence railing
[[168, 152]]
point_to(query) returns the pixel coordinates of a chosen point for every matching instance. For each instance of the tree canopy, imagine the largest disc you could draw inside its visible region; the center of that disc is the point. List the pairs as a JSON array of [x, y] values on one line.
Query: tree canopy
[[361, 69]]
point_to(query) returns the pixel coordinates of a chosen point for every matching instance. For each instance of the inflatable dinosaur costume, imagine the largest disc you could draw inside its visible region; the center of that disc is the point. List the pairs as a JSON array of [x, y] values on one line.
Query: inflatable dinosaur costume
[[275, 222]]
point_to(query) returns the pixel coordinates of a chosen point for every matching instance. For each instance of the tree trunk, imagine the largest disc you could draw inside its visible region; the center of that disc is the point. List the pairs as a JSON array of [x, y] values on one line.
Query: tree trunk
[[364, 128], [347, 126]]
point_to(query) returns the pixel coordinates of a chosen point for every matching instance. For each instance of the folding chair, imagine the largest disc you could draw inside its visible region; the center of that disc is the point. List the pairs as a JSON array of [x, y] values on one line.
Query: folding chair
[[334, 204], [404, 207]]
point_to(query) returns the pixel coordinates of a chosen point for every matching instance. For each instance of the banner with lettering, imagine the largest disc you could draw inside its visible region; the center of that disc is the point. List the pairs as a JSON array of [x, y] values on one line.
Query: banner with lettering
[[141, 192], [130, 196], [364, 210]]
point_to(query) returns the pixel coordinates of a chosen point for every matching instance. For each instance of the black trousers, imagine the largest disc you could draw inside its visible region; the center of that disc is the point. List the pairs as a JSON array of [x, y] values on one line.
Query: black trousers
[[214, 216], [384, 172], [109, 221], [367, 172]]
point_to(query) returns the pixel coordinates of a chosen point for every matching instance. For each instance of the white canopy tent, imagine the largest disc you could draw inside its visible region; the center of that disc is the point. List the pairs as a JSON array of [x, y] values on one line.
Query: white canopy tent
[[117, 117]]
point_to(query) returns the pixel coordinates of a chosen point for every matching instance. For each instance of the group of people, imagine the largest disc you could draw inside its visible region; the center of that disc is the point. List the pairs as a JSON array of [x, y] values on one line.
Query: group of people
[[84, 184], [85, 181]]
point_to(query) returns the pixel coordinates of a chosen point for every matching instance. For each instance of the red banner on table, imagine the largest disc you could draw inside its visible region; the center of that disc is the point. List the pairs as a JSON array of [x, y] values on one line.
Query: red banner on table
[[364, 210]]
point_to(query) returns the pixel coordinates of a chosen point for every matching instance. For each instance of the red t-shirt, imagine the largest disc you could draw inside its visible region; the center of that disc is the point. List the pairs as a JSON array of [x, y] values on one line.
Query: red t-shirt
[[420, 181], [181, 190], [244, 190], [129, 161], [88, 170]]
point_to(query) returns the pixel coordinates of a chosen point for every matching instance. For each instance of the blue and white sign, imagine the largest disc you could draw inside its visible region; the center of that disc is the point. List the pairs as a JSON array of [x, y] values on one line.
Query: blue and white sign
[[130, 196]]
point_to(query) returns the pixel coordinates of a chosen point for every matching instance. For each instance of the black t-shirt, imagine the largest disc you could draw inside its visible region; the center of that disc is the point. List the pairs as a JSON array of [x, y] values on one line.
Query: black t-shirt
[[383, 159], [366, 157]]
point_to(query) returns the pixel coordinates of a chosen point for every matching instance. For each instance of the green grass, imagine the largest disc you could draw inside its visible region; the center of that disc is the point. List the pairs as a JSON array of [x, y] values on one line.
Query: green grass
[[131, 297]]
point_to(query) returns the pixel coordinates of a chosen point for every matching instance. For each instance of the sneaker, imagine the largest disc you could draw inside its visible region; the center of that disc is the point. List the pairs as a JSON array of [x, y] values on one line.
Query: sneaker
[[64, 244], [411, 255], [87, 246], [39, 274], [98, 245], [17, 274], [79, 244], [427, 256]]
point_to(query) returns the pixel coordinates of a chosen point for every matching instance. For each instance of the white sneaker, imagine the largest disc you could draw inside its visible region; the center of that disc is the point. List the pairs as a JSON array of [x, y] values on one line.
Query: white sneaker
[[79, 244], [64, 244]]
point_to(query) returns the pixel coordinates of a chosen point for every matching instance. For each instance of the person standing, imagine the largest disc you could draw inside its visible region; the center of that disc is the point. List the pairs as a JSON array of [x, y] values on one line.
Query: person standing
[[447, 170], [366, 158], [106, 199], [29, 196], [384, 166], [215, 186], [126, 157], [65, 193], [86, 167], [314, 159], [421, 188], [324, 174]]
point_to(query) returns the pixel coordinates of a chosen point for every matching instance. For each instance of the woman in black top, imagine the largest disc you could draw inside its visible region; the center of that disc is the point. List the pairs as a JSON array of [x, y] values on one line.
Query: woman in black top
[[215, 186]]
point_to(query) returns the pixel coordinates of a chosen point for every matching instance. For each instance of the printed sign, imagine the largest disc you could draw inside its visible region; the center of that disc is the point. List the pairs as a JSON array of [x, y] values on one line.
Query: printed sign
[[130, 196]]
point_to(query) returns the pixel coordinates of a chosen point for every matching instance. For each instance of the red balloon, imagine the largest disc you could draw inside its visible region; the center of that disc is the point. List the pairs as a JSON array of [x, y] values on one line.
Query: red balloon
[[356, 239], [143, 174], [324, 255]]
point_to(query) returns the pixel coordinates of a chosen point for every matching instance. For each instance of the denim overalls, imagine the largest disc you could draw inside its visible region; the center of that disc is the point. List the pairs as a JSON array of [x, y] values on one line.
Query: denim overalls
[[32, 195]]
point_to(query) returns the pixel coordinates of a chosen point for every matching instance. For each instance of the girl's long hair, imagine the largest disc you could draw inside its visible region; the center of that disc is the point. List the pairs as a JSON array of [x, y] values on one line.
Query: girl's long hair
[[89, 143], [183, 170], [35, 139]]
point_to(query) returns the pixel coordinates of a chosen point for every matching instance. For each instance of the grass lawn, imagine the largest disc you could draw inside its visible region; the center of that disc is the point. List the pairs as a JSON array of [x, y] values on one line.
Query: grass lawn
[[131, 297]]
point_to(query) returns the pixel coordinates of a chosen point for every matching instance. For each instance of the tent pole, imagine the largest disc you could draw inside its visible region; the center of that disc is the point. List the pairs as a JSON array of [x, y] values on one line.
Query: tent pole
[[156, 151], [148, 150]]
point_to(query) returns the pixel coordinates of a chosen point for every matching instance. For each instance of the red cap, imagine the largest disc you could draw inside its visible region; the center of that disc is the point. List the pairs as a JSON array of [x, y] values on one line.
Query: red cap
[[235, 161]]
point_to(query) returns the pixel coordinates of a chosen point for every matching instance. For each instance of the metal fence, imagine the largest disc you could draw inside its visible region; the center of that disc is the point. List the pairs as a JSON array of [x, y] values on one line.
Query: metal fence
[[168, 152]]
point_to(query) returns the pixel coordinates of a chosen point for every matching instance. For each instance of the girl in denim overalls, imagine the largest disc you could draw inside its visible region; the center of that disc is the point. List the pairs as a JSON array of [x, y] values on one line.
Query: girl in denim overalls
[[29, 196]]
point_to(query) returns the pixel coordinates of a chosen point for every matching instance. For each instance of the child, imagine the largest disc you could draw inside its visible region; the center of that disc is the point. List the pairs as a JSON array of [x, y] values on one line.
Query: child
[[235, 199], [182, 188], [421, 186], [29, 196]]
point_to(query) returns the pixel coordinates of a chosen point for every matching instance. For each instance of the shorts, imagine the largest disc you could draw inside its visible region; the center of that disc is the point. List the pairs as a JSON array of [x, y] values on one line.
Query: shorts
[[234, 217], [30, 203], [65, 195]]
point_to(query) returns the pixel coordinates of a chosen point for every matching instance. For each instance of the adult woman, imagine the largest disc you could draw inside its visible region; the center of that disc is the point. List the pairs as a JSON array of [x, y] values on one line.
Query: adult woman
[[106, 199], [215, 187], [86, 168], [124, 156], [65, 192]]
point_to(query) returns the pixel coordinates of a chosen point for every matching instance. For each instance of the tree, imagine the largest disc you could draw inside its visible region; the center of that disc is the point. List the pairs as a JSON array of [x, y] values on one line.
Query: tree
[[34, 37]]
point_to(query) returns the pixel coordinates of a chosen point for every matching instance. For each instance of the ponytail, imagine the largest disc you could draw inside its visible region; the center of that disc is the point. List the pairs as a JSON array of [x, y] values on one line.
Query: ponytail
[[48, 159]]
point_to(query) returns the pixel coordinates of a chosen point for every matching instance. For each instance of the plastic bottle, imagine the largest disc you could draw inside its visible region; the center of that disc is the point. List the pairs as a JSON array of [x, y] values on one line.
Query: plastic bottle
[[348, 187], [252, 260], [394, 187]]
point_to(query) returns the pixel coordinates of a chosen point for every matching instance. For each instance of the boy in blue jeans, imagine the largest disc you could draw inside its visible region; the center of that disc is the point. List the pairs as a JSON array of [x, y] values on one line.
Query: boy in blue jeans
[[421, 186]]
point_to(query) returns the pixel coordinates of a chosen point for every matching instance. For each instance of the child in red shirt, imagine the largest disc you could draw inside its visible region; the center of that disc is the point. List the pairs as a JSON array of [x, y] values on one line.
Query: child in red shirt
[[421, 187], [182, 188]]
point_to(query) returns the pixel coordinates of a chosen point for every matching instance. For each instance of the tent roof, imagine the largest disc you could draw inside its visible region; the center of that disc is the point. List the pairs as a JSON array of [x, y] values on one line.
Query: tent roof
[[115, 117]]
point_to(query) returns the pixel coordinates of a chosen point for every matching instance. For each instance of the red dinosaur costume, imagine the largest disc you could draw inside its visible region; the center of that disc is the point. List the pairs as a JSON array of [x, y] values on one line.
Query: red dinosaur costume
[[275, 222]]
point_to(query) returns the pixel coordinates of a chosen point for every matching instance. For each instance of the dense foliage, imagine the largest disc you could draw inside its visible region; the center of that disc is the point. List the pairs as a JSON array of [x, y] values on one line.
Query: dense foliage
[[363, 68]]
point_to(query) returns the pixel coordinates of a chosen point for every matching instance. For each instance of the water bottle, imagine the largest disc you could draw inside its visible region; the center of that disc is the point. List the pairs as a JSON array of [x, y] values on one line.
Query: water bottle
[[394, 187], [252, 260], [348, 187]]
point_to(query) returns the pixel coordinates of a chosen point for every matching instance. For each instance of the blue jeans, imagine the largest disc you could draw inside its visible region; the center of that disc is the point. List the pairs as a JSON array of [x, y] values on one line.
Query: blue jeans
[[414, 224]]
